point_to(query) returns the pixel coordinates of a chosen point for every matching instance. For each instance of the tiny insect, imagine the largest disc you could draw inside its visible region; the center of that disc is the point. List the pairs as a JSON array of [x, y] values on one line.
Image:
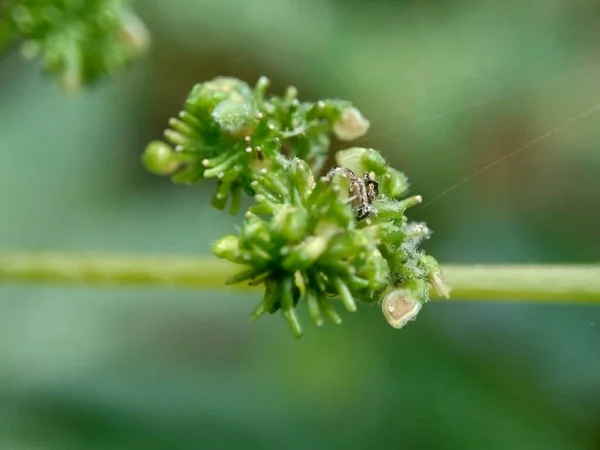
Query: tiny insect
[[363, 191]]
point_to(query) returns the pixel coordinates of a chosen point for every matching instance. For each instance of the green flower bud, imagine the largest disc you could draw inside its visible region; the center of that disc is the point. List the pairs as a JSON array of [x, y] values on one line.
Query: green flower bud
[[159, 158], [361, 160], [291, 222], [227, 248], [375, 270], [234, 88], [305, 254], [205, 97], [256, 229], [302, 177], [394, 183], [235, 117]]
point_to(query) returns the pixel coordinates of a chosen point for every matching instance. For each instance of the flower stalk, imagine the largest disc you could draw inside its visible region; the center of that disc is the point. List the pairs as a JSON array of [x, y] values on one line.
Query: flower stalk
[[566, 284]]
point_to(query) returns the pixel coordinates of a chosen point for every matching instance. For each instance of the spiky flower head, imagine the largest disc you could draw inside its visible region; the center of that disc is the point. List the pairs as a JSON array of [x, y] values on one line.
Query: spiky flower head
[[309, 238], [231, 132], [303, 240]]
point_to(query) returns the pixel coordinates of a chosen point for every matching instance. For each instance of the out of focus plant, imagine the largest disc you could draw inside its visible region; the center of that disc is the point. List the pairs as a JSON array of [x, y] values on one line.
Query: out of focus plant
[[78, 41]]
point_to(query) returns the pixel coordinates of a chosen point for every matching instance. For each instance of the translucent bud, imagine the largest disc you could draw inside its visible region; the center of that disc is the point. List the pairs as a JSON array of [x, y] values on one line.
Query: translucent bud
[[401, 305], [351, 125], [440, 285], [435, 276]]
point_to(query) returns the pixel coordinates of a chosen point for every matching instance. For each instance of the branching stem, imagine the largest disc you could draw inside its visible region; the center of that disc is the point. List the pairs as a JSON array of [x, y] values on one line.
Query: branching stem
[[544, 283]]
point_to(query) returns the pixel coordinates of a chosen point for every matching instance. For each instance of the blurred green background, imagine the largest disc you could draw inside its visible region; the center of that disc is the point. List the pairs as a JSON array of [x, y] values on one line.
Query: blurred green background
[[449, 86]]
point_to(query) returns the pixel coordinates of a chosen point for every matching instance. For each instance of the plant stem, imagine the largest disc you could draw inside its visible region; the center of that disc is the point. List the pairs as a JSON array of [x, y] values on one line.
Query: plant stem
[[546, 283]]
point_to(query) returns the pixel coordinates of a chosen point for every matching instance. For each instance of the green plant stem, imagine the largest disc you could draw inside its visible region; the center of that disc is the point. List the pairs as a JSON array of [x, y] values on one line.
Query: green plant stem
[[550, 283]]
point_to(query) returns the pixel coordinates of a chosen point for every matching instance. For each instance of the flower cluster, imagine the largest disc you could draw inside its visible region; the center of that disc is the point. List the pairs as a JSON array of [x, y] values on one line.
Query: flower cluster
[[80, 41], [301, 239], [309, 238], [230, 131]]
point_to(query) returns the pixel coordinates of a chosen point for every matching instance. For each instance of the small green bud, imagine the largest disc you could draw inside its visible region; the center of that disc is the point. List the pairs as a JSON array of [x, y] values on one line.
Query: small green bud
[[261, 87], [237, 89], [255, 229], [305, 254], [227, 248], [205, 97], [361, 160], [234, 117], [302, 176], [159, 159], [291, 222], [394, 183], [375, 270]]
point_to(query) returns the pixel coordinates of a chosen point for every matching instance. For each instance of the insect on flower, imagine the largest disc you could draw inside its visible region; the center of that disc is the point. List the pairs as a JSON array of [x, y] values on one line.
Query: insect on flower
[[362, 191]]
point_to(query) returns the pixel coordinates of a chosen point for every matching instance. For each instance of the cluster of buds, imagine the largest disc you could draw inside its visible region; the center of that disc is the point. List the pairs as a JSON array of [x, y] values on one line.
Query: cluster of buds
[[232, 133], [80, 41], [311, 239], [309, 242], [301, 240]]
